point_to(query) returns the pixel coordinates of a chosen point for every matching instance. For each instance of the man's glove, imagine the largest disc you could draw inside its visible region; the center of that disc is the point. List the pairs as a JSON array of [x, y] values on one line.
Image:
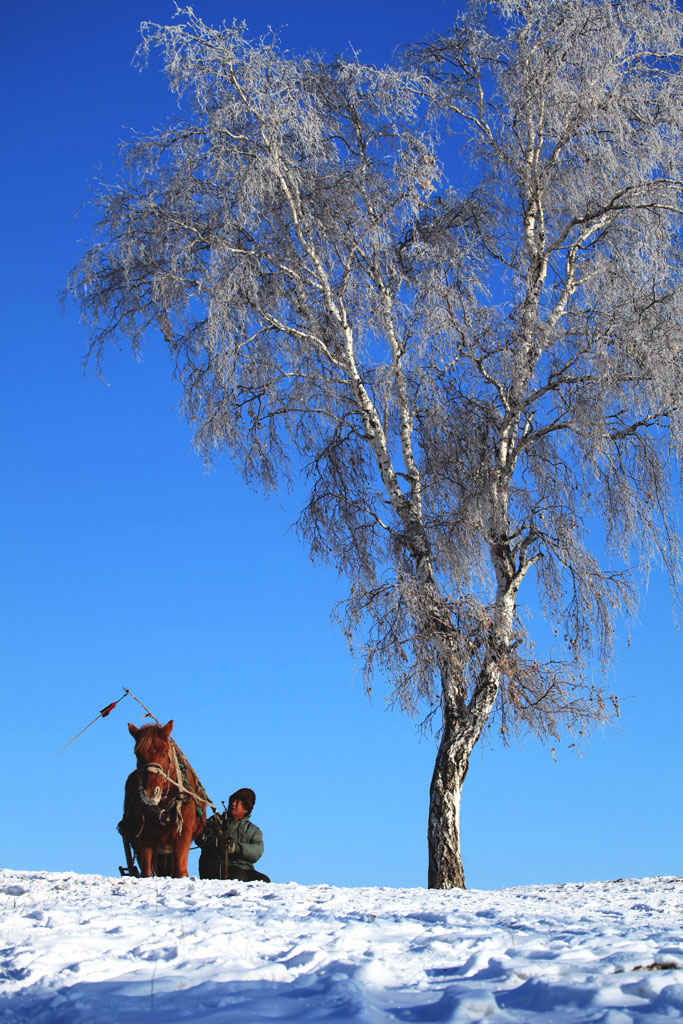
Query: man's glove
[[210, 834], [230, 845]]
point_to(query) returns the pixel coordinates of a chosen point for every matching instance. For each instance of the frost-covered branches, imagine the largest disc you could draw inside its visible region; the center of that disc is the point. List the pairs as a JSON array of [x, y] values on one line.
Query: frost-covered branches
[[571, 396]]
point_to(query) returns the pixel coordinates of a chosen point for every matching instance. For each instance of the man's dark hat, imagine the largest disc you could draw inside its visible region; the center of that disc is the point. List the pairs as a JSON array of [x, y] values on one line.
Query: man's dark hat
[[248, 798]]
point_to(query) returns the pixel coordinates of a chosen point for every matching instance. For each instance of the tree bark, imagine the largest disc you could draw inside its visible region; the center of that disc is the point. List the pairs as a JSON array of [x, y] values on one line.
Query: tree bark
[[443, 833], [462, 725]]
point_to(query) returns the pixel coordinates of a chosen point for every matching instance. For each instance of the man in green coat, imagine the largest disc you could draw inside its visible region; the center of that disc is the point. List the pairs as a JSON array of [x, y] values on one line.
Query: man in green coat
[[231, 843]]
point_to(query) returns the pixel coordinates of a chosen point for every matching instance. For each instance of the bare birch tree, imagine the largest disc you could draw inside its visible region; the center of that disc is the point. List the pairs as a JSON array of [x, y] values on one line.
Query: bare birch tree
[[448, 295]]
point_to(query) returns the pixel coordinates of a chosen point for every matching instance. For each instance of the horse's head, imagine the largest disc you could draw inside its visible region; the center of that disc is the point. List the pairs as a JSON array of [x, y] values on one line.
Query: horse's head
[[153, 753]]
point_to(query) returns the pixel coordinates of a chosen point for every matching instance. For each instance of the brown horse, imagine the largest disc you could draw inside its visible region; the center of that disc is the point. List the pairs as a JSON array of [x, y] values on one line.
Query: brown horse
[[164, 803]]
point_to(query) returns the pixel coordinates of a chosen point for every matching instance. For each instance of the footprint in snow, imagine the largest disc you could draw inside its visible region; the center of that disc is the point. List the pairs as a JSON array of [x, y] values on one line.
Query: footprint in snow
[[13, 890], [165, 953]]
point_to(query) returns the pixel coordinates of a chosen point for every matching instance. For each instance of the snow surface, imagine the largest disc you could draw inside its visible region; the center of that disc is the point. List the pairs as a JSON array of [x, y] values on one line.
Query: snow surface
[[88, 949]]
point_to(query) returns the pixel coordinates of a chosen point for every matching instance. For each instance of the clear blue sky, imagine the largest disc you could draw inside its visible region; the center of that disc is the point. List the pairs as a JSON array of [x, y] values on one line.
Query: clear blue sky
[[126, 564]]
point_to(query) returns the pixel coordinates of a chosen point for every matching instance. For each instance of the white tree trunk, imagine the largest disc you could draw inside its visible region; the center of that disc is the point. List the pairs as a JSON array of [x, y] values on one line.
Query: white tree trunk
[[443, 834], [462, 725]]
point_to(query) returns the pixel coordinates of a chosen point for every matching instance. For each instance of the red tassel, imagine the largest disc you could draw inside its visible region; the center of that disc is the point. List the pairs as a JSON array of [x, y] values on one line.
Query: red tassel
[[110, 707]]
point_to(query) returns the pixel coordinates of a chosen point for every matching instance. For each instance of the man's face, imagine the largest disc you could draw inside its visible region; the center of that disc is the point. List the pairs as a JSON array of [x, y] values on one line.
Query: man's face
[[237, 810]]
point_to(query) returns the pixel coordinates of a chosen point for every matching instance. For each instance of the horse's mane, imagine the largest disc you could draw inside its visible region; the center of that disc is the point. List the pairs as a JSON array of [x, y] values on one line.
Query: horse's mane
[[148, 736]]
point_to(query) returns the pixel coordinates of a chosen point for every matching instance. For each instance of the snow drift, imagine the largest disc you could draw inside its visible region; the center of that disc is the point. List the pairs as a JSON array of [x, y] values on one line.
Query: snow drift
[[87, 949]]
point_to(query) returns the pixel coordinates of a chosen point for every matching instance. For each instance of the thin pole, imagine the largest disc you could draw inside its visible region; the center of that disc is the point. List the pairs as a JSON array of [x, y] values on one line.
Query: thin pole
[[103, 714]]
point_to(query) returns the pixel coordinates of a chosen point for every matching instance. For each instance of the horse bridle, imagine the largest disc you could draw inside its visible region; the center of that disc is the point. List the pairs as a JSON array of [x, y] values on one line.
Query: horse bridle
[[184, 792], [154, 768]]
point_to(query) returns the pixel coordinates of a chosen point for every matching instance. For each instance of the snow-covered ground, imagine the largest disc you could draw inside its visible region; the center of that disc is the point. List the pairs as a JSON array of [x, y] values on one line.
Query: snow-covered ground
[[87, 949]]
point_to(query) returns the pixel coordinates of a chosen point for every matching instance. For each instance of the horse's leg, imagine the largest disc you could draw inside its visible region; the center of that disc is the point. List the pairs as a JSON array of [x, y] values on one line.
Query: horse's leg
[[183, 842], [182, 849], [145, 860]]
